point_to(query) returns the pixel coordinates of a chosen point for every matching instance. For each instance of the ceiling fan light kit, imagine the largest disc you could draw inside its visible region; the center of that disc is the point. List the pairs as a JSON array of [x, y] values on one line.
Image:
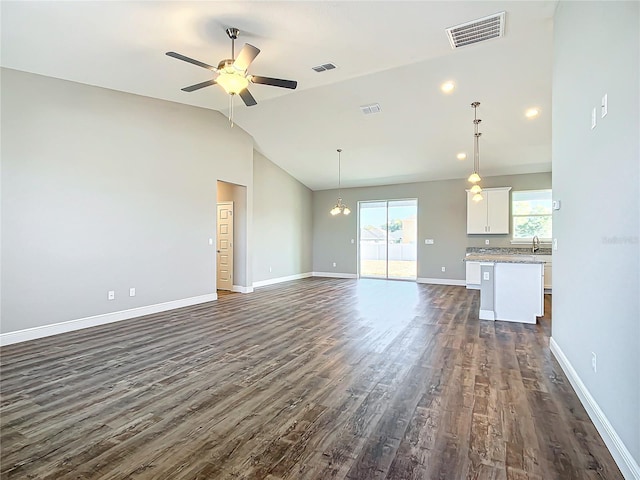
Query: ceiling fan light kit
[[232, 80], [231, 73]]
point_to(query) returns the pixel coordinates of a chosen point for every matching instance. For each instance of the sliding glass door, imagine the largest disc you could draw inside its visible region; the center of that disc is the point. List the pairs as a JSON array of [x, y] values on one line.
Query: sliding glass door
[[388, 234]]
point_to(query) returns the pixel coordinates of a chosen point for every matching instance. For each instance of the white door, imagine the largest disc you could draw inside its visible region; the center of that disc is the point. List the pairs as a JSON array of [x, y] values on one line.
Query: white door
[[225, 246]]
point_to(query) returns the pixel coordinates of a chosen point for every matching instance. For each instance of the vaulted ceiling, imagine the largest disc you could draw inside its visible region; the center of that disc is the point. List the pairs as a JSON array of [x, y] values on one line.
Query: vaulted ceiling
[[393, 53]]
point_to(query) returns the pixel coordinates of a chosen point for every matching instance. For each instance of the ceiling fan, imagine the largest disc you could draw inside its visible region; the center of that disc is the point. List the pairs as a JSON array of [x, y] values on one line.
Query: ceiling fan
[[232, 72]]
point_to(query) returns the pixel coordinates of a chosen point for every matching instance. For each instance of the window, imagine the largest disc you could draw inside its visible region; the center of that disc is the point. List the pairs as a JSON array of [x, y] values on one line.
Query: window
[[531, 214]]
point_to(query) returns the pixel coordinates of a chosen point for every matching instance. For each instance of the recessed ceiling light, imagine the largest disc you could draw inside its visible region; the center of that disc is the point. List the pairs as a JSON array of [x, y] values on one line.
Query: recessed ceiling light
[[532, 113], [461, 156], [447, 87]]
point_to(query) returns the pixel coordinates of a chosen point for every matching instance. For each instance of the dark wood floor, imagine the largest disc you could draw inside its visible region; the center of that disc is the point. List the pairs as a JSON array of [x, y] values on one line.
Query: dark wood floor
[[312, 379]]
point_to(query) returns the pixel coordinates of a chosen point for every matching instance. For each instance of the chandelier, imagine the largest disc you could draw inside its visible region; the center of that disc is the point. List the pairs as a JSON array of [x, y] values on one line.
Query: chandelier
[[339, 207]]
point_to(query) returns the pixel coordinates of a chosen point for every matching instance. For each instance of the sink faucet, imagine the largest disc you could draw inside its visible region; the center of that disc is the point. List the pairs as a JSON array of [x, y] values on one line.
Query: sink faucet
[[535, 244]]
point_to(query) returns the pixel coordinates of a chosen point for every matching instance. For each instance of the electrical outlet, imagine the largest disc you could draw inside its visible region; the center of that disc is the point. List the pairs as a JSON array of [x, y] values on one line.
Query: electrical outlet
[[594, 362], [211, 241], [428, 241], [111, 295], [334, 264], [485, 275], [132, 292], [353, 241], [486, 242], [444, 269]]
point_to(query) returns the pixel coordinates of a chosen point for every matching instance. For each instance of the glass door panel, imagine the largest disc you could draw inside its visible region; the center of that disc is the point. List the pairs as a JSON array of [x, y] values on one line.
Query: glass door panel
[[373, 239], [388, 233], [402, 240]]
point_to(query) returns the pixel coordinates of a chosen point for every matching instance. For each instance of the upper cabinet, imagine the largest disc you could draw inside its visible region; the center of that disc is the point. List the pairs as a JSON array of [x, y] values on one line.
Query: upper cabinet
[[491, 214]]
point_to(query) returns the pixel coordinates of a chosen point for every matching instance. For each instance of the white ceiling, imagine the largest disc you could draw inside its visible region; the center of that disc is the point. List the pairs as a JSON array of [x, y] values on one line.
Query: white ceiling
[[388, 52]]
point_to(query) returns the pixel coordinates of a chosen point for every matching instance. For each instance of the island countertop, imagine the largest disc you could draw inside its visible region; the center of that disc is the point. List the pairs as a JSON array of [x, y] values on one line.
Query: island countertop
[[494, 258]]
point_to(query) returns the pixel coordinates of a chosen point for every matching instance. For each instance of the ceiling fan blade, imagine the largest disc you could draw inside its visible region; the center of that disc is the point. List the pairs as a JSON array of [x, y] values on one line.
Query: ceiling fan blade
[[247, 98], [198, 86], [191, 60], [275, 82], [246, 56]]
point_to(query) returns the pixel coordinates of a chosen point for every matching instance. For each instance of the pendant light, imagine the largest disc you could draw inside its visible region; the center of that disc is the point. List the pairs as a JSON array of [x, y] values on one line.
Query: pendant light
[[475, 177], [339, 207]]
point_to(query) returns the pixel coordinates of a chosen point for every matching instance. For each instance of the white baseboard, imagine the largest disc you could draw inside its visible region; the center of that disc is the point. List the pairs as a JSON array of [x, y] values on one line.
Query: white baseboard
[[80, 323], [334, 275], [240, 289], [272, 281], [628, 466], [441, 281], [487, 315]]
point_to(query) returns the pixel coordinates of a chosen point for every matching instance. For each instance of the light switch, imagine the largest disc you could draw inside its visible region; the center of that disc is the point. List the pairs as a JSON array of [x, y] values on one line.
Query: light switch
[[555, 244], [555, 204], [604, 106], [353, 240], [593, 118], [211, 241]]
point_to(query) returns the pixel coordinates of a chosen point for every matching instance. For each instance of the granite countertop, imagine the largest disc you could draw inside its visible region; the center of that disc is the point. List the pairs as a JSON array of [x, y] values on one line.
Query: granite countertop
[[496, 258], [508, 251], [505, 255]]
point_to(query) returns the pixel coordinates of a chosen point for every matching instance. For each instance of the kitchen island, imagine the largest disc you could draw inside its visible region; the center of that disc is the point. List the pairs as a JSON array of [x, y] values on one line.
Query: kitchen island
[[511, 287]]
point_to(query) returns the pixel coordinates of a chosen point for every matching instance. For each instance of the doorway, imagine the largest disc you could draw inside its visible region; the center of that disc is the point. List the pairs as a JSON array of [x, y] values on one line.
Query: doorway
[[388, 233], [224, 246], [232, 273]]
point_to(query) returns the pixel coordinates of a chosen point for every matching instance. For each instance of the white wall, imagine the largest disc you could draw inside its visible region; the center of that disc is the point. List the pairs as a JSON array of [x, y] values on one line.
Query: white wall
[[596, 176], [103, 190], [283, 222]]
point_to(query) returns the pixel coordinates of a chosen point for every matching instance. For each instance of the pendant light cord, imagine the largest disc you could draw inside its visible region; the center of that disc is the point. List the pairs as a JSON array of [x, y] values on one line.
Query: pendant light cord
[[339, 172], [476, 153]]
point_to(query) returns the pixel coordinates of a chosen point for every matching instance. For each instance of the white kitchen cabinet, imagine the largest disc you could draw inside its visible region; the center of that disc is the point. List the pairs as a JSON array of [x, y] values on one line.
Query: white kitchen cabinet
[[491, 214], [518, 292], [547, 269], [547, 275], [473, 275]]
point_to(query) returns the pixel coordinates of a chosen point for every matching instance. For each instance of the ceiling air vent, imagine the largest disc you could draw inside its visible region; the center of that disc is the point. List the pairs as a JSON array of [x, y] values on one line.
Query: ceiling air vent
[[369, 109], [324, 67], [477, 30]]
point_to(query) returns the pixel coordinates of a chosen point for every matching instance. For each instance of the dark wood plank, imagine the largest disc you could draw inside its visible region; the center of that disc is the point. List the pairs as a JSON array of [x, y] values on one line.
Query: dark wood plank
[[311, 379]]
